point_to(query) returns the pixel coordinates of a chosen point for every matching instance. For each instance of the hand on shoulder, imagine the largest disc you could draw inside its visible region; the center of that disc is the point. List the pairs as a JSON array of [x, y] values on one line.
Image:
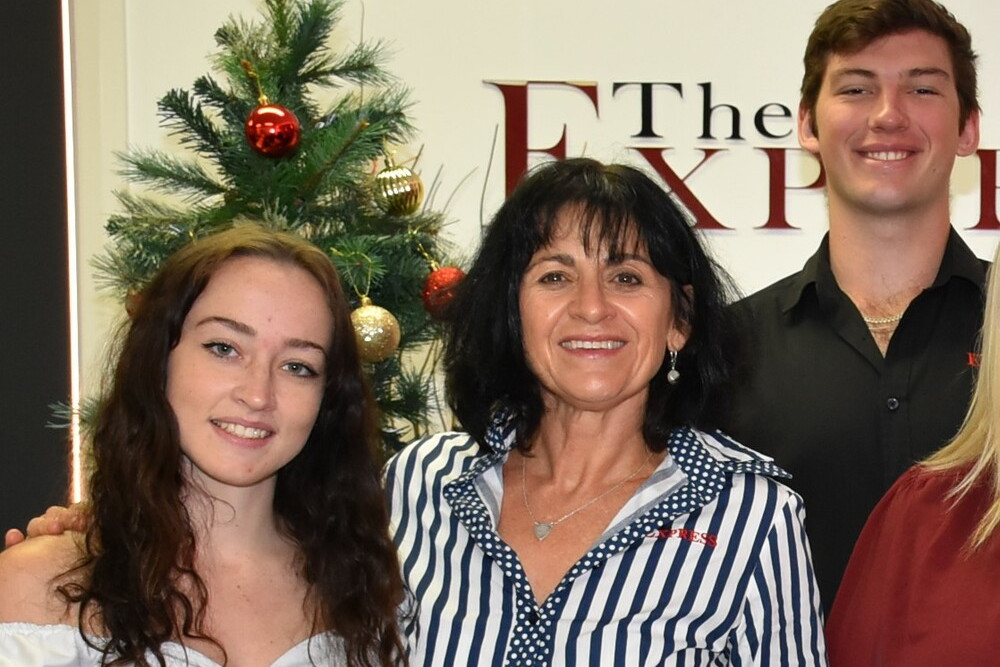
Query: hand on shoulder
[[29, 574], [12, 537], [55, 521]]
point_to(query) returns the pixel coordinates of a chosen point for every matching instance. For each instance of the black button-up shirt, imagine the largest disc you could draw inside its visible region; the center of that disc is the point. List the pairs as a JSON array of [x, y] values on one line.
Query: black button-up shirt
[[820, 398]]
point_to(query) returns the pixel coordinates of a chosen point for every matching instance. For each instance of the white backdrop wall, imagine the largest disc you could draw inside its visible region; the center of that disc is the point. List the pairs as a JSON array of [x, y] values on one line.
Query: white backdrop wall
[[457, 56]]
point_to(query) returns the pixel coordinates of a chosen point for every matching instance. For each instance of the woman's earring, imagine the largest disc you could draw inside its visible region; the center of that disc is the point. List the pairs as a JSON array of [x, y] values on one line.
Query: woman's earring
[[673, 375]]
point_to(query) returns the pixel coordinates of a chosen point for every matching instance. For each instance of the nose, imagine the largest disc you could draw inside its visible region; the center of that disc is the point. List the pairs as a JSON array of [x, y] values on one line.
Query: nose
[[889, 113], [590, 301], [256, 387]]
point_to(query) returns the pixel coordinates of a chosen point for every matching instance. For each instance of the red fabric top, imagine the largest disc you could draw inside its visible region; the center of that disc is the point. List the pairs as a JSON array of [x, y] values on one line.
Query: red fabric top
[[913, 595]]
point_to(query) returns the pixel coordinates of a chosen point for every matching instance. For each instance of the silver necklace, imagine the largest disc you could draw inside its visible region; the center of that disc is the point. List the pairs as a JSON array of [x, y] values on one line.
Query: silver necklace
[[543, 528]]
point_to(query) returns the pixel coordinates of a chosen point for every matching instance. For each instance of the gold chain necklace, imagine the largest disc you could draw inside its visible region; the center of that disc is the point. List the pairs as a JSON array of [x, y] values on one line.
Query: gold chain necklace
[[543, 528], [882, 321]]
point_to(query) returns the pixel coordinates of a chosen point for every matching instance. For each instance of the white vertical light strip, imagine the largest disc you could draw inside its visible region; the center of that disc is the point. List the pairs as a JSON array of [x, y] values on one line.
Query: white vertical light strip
[[76, 473]]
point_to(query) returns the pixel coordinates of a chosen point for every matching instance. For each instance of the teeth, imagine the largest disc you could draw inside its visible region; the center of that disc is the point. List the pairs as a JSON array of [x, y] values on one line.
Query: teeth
[[592, 344], [888, 156], [241, 431]]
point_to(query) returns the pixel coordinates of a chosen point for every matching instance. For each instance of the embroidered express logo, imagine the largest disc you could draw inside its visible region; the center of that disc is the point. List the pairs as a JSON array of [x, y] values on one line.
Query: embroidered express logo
[[708, 539]]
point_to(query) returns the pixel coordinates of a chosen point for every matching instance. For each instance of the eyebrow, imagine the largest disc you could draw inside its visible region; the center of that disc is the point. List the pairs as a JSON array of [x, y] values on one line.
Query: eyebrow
[[928, 71], [566, 260], [240, 327], [632, 257], [559, 257], [912, 73]]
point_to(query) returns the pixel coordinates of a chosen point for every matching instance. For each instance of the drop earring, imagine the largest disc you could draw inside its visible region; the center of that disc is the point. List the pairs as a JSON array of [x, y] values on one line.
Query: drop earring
[[673, 375]]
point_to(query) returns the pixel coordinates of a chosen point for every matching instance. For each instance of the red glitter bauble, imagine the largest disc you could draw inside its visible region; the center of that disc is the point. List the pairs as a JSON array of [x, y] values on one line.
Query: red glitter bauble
[[133, 300], [439, 288], [273, 131]]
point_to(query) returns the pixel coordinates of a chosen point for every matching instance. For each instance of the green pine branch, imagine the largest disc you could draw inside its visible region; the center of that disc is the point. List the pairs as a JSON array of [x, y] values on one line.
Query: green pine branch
[[167, 173], [350, 110], [185, 119]]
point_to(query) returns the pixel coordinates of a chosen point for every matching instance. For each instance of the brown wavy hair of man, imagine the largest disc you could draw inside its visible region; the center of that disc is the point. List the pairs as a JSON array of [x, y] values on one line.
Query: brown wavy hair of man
[[848, 26]]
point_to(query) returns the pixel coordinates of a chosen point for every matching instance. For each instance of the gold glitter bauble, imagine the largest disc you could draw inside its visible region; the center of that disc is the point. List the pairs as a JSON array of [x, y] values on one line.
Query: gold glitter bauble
[[377, 331], [397, 190]]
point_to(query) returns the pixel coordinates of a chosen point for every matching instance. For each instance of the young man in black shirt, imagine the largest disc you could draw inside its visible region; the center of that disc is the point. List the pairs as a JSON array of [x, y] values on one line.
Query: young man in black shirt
[[862, 362]]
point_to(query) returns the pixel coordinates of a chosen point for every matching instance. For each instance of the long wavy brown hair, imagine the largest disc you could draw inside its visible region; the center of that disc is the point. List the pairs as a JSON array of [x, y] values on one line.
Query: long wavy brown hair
[[140, 586]]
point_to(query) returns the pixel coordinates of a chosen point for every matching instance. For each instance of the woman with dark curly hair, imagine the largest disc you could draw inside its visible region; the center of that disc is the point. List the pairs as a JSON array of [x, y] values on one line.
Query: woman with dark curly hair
[[592, 515], [237, 515]]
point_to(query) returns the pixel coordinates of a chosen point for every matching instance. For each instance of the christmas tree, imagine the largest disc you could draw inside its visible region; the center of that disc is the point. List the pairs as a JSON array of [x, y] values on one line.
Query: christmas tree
[[290, 136]]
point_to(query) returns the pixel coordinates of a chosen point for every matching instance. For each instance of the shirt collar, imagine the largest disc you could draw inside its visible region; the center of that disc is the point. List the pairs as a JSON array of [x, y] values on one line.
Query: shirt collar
[[960, 262], [706, 459], [957, 262]]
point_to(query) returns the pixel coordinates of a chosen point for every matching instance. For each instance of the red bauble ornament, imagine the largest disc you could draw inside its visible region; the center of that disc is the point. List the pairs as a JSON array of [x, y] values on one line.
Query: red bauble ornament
[[133, 300], [439, 288], [273, 131]]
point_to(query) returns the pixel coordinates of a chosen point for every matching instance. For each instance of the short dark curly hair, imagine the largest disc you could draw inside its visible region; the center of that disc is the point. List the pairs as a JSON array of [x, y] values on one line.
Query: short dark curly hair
[[620, 207]]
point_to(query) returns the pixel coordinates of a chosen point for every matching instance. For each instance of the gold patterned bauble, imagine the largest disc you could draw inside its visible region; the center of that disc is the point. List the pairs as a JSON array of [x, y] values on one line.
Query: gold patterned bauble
[[397, 190], [377, 331]]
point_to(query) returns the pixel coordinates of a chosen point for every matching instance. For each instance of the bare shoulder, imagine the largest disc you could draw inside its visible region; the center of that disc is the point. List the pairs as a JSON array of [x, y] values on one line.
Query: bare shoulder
[[30, 572]]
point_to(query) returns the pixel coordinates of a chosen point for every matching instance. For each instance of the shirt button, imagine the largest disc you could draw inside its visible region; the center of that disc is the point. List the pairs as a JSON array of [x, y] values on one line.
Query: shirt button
[[892, 403], [532, 617]]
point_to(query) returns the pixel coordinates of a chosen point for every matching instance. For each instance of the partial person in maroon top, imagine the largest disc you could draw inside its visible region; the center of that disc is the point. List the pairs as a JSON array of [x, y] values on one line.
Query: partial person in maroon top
[[923, 583]]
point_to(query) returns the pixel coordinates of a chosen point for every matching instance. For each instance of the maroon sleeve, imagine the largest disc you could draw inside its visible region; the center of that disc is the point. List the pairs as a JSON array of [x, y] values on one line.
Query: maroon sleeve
[[913, 594]]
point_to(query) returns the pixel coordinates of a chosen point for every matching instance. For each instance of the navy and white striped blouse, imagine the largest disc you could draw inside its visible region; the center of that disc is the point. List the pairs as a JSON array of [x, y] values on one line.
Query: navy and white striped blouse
[[707, 564]]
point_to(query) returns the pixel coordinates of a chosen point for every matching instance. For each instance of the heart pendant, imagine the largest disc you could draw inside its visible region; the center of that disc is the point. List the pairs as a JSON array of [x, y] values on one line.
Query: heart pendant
[[542, 530]]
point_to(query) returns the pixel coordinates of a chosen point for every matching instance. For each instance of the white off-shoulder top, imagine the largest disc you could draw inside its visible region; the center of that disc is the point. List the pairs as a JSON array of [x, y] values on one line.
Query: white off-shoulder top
[[29, 645]]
